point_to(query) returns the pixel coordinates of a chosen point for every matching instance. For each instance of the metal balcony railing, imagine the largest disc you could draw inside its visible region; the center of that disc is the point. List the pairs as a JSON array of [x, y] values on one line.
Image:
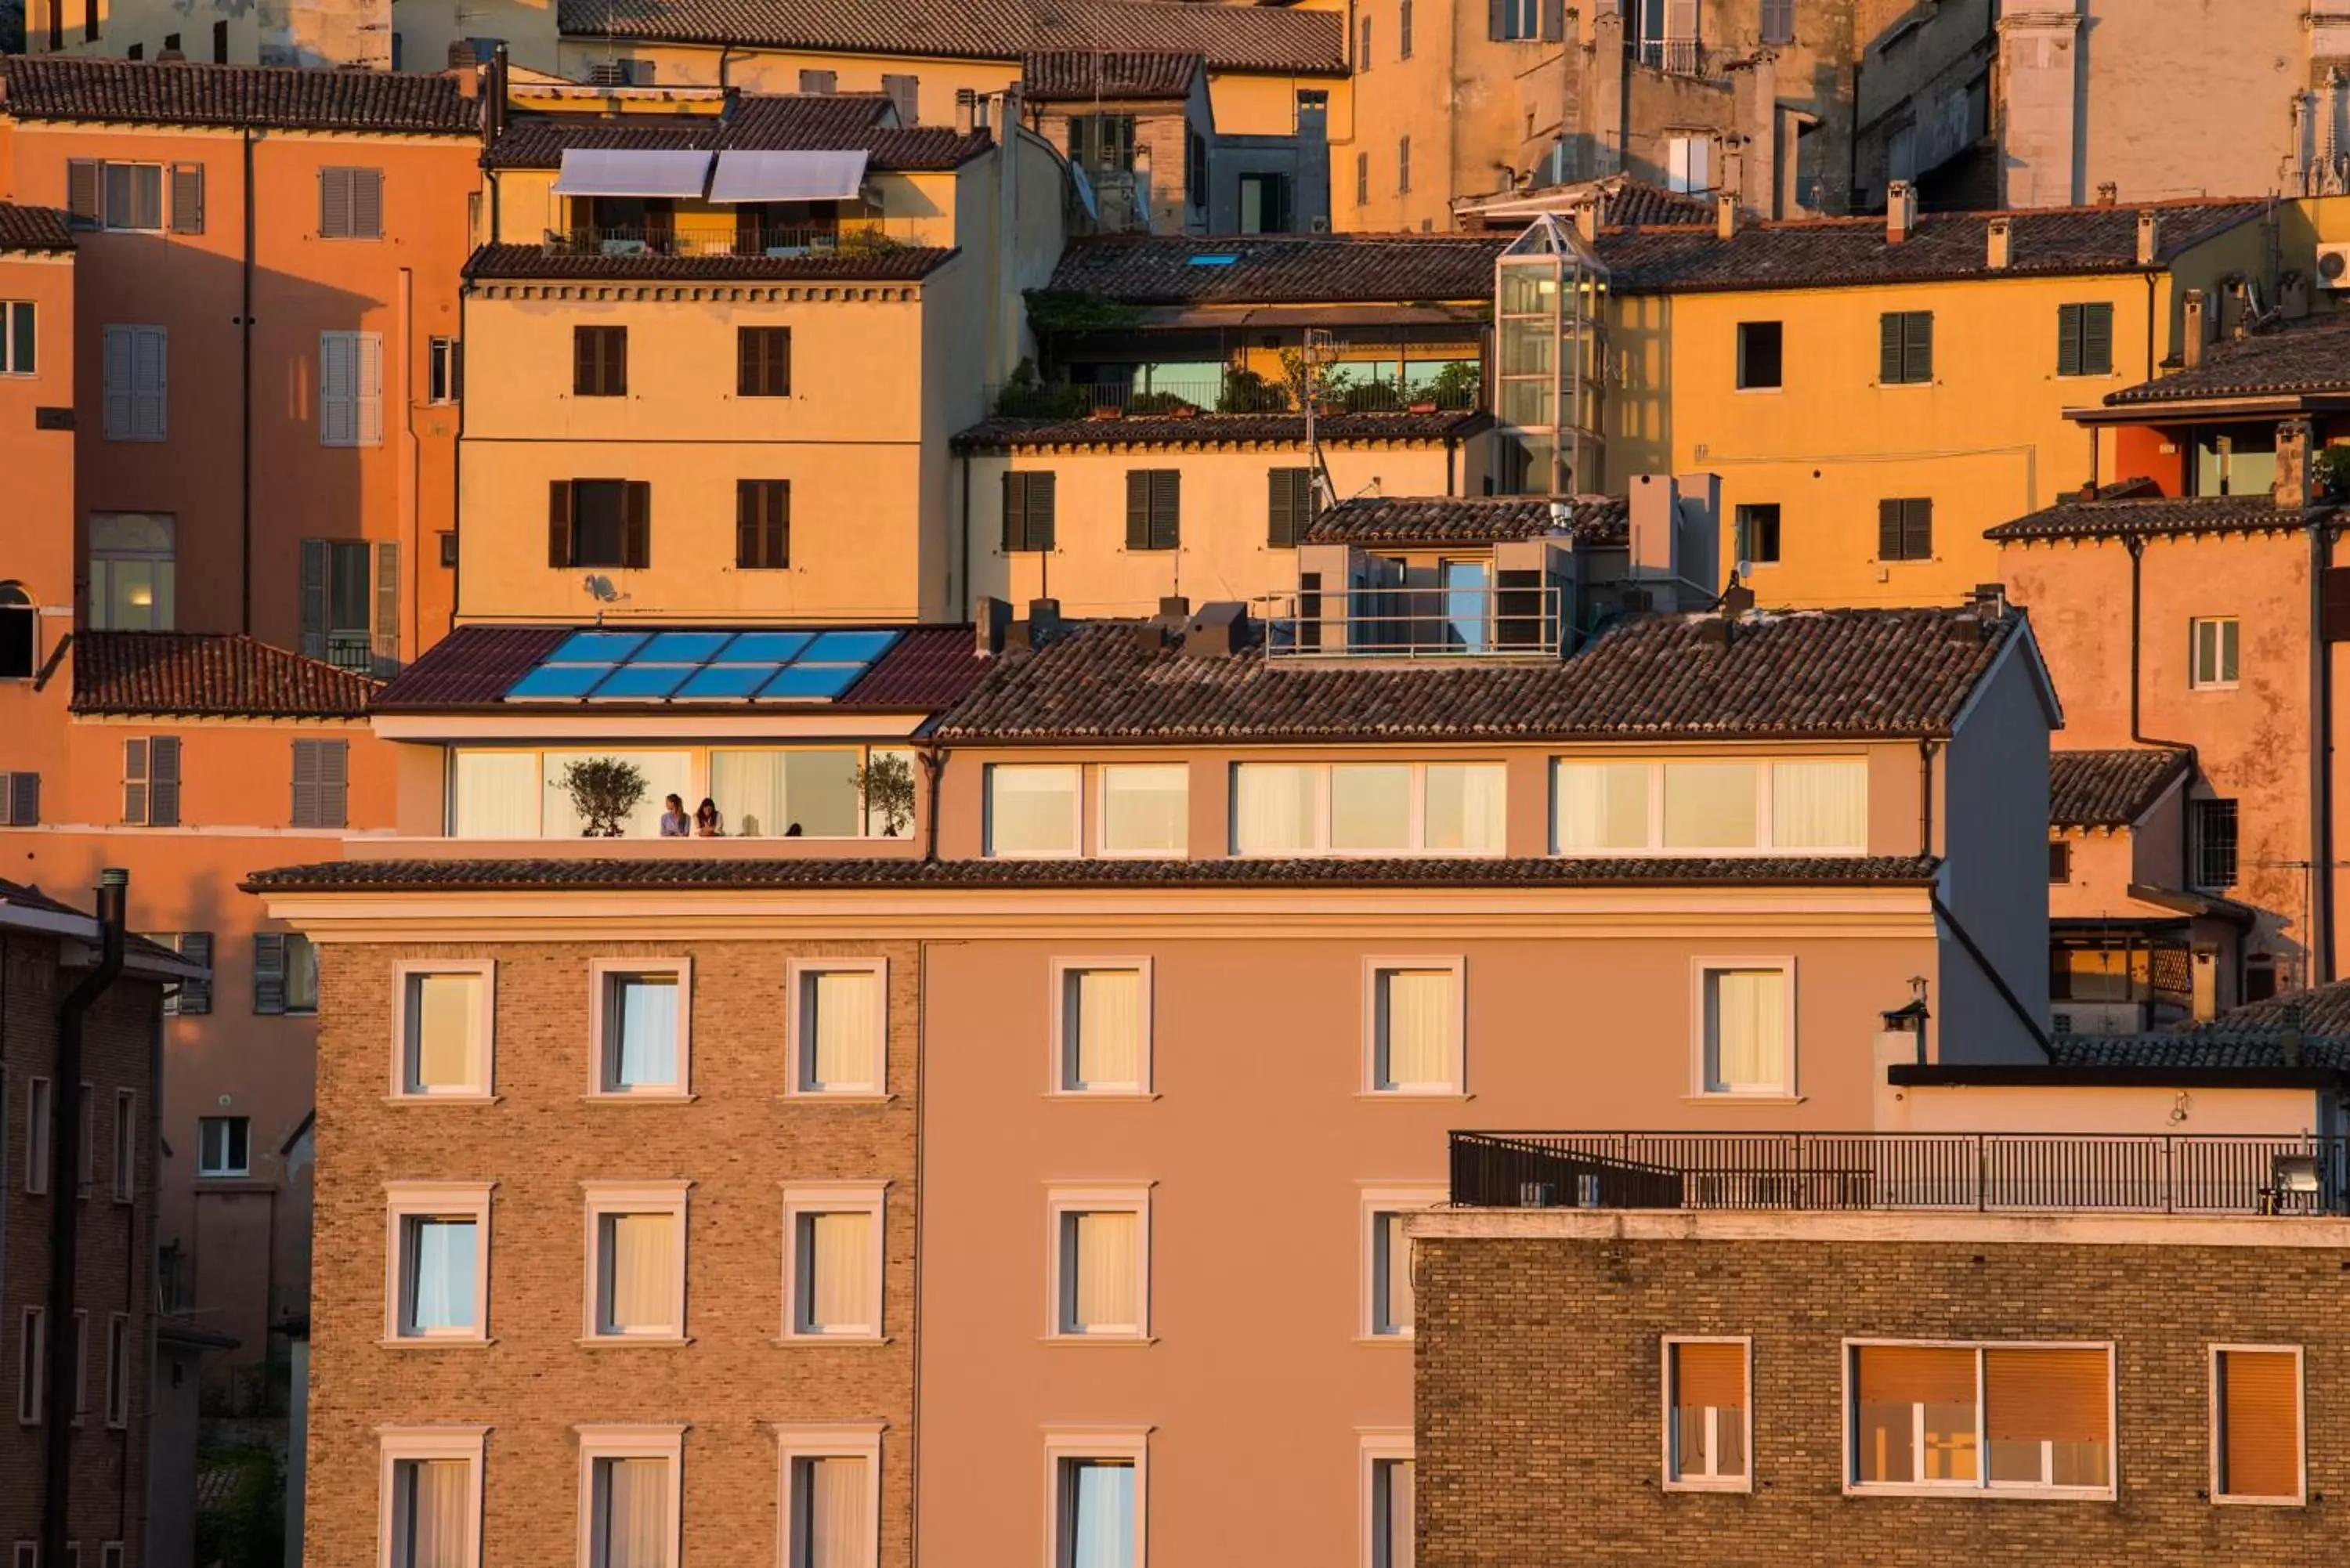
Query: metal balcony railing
[[1234, 394], [2125, 1173], [351, 650], [1674, 56], [744, 241], [1437, 621]]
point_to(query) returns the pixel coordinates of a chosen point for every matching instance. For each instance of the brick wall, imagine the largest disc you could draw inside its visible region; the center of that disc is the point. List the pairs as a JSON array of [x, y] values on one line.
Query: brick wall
[[737, 1142], [1538, 1399]]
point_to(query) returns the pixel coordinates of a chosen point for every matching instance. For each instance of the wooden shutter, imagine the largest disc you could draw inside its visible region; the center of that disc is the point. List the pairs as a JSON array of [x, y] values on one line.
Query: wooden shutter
[[637, 523], [338, 393], [2096, 339], [1553, 20], [82, 180], [367, 387], [306, 784], [1014, 532], [583, 361], [1889, 348], [762, 521], [334, 775], [149, 383], [1040, 513], [115, 375], [1917, 528], [1165, 508], [1497, 19], [1709, 1376], [2068, 339], [746, 362], [1680, 19], [196, 995], [558, 523], [2044, 1396], [22, 800], [268, 971], [366, 204], [1282, 522], [314, 598], [1137, 509], [614, 373], [1915, 1375], [187, 198], [334, 203], [1918, 347], [2260, 1423], [163, 782], [1889, 530], [134, 783], [387, 608]]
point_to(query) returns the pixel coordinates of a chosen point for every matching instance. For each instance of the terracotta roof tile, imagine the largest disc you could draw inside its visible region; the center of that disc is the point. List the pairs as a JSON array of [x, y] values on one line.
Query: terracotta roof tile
[[1006, 432], [2306, 357], [2109, 789], [2133, 514], [781, 122], [929, 669], [1469, 520], [1128, 75], [33, 229], [530, 263], [471, 665], [600, 874], [75, 87], [208, 675], [1294, 269], [2204, 1050]]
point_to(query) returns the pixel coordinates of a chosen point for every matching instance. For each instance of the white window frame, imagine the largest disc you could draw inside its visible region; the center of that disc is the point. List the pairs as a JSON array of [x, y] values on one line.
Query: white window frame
[[1076, 812], [2232, 636], [848, 1441], [1764, 849], [1378, 1445], [2217, 1425], [1325, 774], [1667, 1379], [1060, 1204], [1131, 1444], [604, 1198], [1377, 1201], [126, 1146], [39, 1110], [1701, 1078], [394, 1444], [440, 363], [870, 1199], [799, 1050], [601, 973], [408, 1200], [7, 340], [1373, 968], [1850, 1393], [224, 1172], [640, 1441], [1058, 1066], [118, 1369], [1102, 847], [402, 972]]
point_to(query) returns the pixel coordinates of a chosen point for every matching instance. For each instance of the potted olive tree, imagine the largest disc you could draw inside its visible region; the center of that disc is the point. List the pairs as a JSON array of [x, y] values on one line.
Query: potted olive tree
[[887, 785], [604, 791]]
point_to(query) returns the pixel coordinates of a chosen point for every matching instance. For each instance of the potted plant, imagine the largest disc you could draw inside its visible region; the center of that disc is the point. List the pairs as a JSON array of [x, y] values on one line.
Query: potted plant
[[604, 791], [887, 785]]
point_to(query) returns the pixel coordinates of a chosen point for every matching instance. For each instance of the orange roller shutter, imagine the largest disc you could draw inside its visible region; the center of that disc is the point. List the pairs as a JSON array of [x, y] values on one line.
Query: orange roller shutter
[[1709, 1376], [1917, 1374], [2260, 1423], [2046, 1395]]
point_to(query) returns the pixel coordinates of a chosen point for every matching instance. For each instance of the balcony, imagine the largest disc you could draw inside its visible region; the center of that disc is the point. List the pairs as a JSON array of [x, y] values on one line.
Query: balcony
[[1464, 618], [745, 240], [1674, 56], [1235, 392], [2007, 1173]]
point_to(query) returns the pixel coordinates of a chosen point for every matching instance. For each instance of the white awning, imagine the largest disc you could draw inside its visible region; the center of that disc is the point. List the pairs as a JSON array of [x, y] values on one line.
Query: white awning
[[629, 172], [788, 177]]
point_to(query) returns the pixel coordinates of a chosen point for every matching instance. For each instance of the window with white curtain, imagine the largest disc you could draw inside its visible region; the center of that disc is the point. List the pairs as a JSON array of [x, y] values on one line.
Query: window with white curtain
[[1746, 1026], [1098, 1508], [779, 794], [431, 1480], [839, 1028], [1100, 1252], [636, 1260], [1391, 1294], [1032, 811], [494, 795], [665, 773], [1819, 805], [628, 1495], [1708, 1422], [833, 1271], [437, 1255], [1145, 810], [1368, 808], [1796, 805], [641, 1025], [441, 1028], [831, 1502], [1102, 1027], [1414, 1044]]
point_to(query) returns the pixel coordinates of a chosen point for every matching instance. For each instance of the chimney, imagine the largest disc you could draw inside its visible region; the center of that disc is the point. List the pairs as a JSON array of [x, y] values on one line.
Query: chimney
[[463, 55], [1586, 218], [466, 74], [1900, 210], [2191, 330], [1655, 538], [2292, 487], [2149, 237], [966, 110], [1218, 631], [991, 619], [1175, 609], [1725, 216], [2289, 1039], [1996, 236], [1990, 601], [2108, 194], [1044, 621]]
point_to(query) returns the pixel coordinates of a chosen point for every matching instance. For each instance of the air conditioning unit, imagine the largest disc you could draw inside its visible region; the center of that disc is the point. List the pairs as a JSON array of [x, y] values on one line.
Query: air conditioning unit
[[2333, 266]]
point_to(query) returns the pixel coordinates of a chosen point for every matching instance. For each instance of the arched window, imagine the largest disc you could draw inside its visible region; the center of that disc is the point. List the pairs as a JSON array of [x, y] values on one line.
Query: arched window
[[19, 622]]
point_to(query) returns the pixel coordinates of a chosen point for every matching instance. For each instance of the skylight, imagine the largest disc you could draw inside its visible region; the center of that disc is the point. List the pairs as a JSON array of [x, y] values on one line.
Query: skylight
[[702, 667], [1220, 259]]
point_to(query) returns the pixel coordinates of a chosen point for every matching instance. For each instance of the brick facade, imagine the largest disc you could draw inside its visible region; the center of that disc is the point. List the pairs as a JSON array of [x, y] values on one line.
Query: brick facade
[[737, 1141], [1539, 1406]]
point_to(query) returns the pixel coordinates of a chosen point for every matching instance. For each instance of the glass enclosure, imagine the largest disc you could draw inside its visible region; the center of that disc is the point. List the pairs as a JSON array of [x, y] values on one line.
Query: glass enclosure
[[1550, 294], [759, 792]]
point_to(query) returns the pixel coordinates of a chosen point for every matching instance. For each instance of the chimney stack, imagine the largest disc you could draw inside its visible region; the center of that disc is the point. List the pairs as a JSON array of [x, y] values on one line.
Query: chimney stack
[[1586, 218], [1725, 216], [1900, 210], [2149, 237], [2292, 488], [1991, 600], [966, 110], [2108, 194], [990, 620], [2191, 330], [1998, 234], [1044, 621]]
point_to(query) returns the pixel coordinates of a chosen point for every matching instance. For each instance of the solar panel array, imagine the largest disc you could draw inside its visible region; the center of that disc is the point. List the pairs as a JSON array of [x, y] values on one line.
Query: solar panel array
[[702, 667]]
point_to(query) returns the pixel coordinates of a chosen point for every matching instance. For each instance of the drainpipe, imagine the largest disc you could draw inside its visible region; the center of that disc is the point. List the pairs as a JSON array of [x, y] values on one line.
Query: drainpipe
[[245, 429], [64, 1212], [2149, 328], [2320, 758], [934, 767]]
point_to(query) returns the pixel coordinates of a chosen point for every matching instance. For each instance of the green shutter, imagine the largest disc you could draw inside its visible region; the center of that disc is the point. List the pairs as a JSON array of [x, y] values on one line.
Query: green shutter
[[269, 972], [1037, 515], [1917, 528], [2096, 339], [1281, 518], [1888, 348], [1165, 508], [1918, 347], [2068, 339], [1137, 509]]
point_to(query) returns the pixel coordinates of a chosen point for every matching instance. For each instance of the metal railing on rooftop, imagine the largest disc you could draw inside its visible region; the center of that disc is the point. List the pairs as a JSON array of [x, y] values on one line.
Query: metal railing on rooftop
[[746, 241], [2123, 1173], [1236, 394], [1434, 622], [1674, 56]]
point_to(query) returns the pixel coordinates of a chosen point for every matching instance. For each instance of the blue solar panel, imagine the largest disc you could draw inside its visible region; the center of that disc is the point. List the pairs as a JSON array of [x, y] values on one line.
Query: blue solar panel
[[602, 666], [559, 681], [813, 680], [643, 683], [681, 647], [728, 680], [849, 648], [596, 648], [764, 647]]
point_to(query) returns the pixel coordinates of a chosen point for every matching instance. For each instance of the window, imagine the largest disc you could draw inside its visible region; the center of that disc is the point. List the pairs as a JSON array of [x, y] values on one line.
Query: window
[[1746, 1026], [32, 1365], [1100, 1252], [832, 1264], [127, 196], [1264, 204], [350, 604], [1778, 21], [1760, 358], [818, 81], [1027, 511], [1708, 1415], [1097, 1495], [2212, 842], [1937, 1417], [20, 647], [1289, 506], [641, 1020], [1101, 1026], [86, 1108], [187, 198], [1689, 163], [838, 1027], [118, 1369], [905, 92], [629, 1480], [38, 1117], [225, 1145], [2258, 1427], [219, 43], [763, 357], [1363, 47], [445, 370], [285, 973], [763, 524], [1102, 143], [1710, 807], [151, 781], [1758, 535], [351, 388], [1195, 169], [636, 1261], [135, 375], [1904, 347], [2060, 862], [1362, 179], [430, 1485], [1403, 29], [599, 522], [350, 204], [442, 1019], [18, 341], [831, 1496], [1513, 20], [600, 362], [126, 1144], [437, 1249], [321, 783], [20, 800], [1412, 1018], [1145, 809], [131, 571], [1388, 1503], [1905, 529], [2211, 647], [1153, 505], [1403, 165], [1032, 812], [2085, 340], [1388, 1311], [1368, 808]]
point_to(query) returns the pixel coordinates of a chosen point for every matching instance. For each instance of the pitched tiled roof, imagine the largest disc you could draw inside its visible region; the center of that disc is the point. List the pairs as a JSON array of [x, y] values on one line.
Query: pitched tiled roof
[[2109, 789], [528, 262], [780, 122], [599, 874], [1815, 673], [1636, 203], [1064, 75], [1624, 203], [2204, 1050], [208, 675], [74, 88], [2306, 357], [2133, 514], [33, 229], [1004, 431], [1232, 38], [1468, 520], [1294, 269]]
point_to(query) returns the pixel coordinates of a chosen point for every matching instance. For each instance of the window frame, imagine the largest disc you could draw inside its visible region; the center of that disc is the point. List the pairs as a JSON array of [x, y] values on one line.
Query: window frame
[[602, 972], [404, 971], [1065, 1448], [444, 373], [845, 1440], [622, 1198], [1765, 803], [2213, 1379], [1103, 849], [407, 1201], [2072, 318], [799, 1053], [1702, 968], [20, 318], [646, 1441], [1378, 965], [1062, 1204], [804, 1199], [2227, 653], [1374, 1203], [594, 374], [33, 1365], [395, 1445], [2200, 811], [1748, 530], [39, 1112], [223, 1173], [125, 1161], [1376, 1447], [1058, 1064], [764, 360], [1980, 1487], [1077, 849], [1325, 811], [1908, 319], [1740, 381], [1668, 1384], [118, 1359]]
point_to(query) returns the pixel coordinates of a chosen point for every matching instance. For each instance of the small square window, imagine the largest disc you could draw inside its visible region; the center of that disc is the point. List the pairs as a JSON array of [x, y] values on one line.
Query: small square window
[[1759, 356], [1100, 1252], [442, 1015], [1758, 535], [642, 1027], [1904, 347], [629, 1501], [1101, 1026], [831, 1496], [1905, 529], [437, 1256], [1746, 1027], [2060, 862], [2212, 646], [1708, 1415], [2258, 1426], [839, 1028], [2085, 340], [1032, 812], [636, 1261], [1412, 1017], [224, 1146], [833, 1273]]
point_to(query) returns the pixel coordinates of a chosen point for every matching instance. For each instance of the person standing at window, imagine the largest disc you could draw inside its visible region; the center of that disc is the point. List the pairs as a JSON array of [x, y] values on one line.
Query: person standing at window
[[674, 822], [707, 823]]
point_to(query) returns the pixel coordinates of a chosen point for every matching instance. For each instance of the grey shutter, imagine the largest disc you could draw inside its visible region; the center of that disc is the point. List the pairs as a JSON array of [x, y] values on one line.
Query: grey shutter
[[387, 608], [117, 351], [334, 782], [1889, 530], [1281, 511], [337, 399], [2068, 339], [558, 523], [306, 784], [134, 783], [150, 382], [187, 198], [1137, 509], [1553, 20], [1497, 19], [1918, 347], [366, 204], [1165, 508], [196, 995], [268, 971], [637, 523], [2096, 339], [1039, 517], [1917, 528], [81, 192], [334, 203], [163, 780], [24, 801], [314, 598], [1889, 348]]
